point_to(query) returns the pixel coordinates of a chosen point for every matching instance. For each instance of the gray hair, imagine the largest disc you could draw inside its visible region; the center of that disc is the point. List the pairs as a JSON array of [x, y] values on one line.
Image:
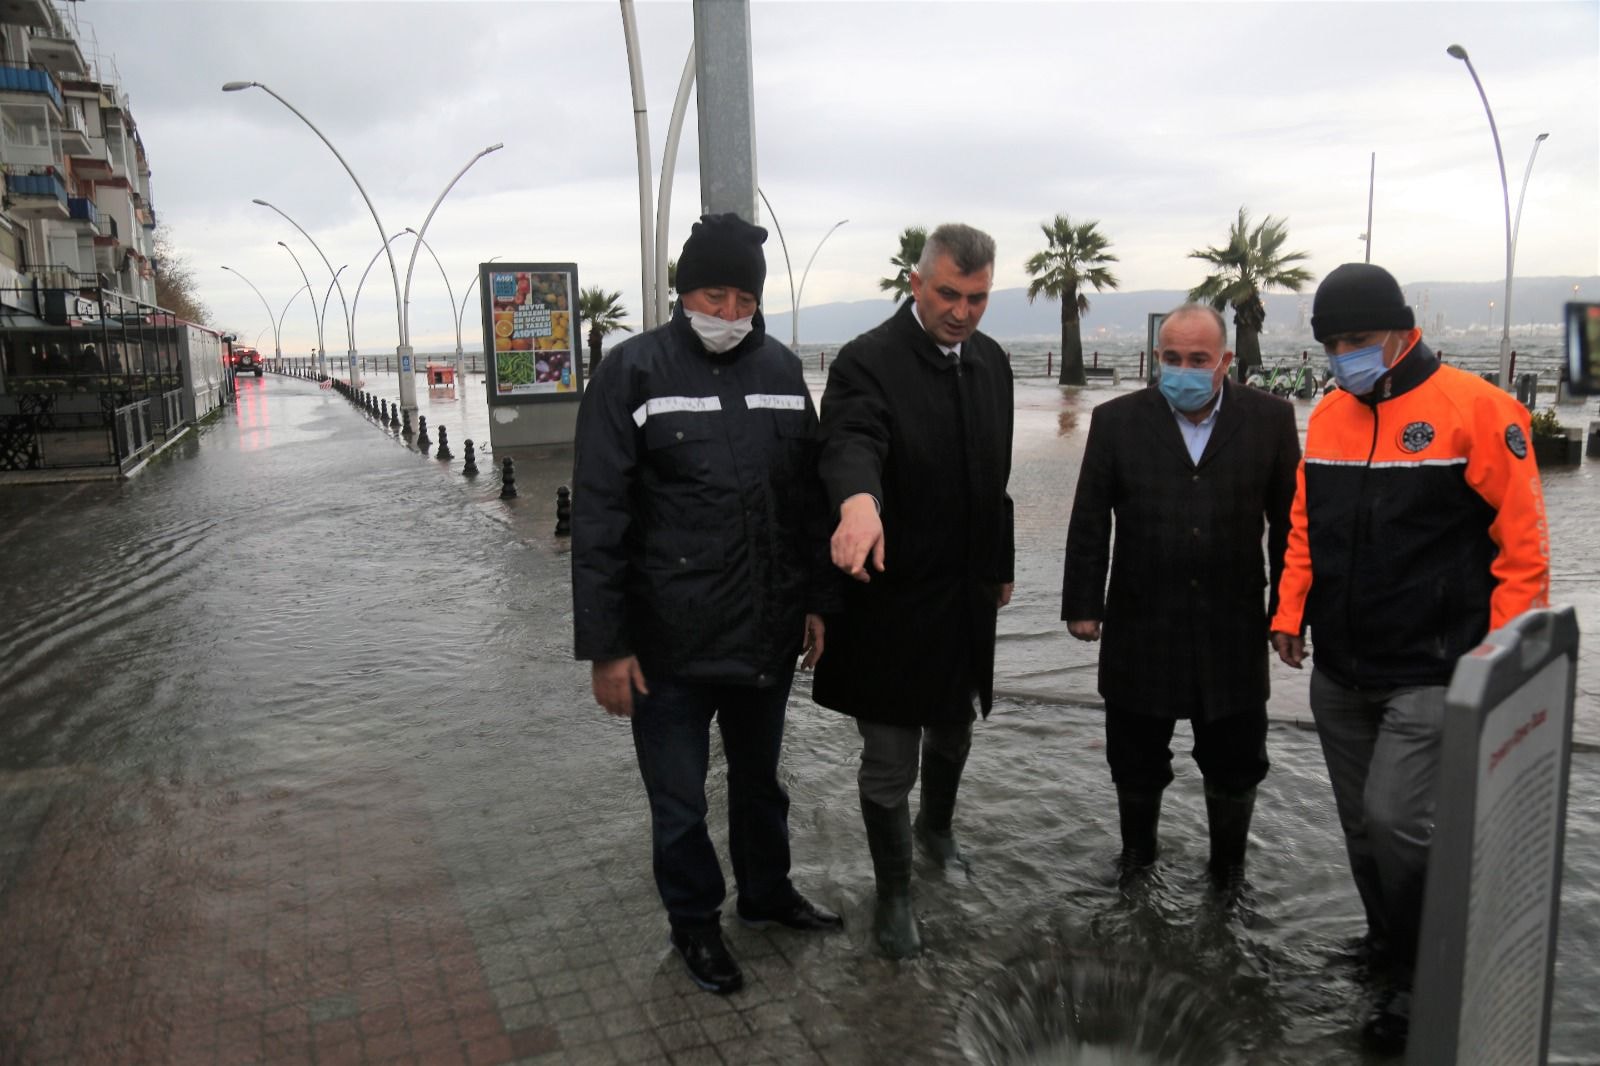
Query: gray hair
[[1197, 309], [970, 249]]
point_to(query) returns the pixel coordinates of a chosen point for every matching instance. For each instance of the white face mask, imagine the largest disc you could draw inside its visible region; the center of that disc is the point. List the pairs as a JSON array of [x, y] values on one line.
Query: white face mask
[[719, 334]]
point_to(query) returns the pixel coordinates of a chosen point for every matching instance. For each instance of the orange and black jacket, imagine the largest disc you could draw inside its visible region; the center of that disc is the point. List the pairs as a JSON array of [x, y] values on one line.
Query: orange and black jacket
[[1418, 525]]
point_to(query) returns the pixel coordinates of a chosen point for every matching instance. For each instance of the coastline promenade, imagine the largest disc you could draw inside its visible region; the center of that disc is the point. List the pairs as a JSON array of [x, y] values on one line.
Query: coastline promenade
[[296, 767]]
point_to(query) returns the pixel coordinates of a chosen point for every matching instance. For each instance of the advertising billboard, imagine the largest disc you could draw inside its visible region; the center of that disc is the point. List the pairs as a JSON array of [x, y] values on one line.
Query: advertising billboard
[[532, 332]]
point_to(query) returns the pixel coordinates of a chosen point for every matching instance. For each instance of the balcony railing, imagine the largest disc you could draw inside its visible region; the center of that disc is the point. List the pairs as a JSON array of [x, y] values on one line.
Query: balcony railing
[[47, 184], [82, 207], [24, 80]]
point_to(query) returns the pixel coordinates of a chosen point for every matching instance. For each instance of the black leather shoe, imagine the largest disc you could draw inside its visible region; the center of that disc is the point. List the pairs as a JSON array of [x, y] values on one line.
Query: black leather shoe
[[707, 958], [1389, 1024], [800, 914]]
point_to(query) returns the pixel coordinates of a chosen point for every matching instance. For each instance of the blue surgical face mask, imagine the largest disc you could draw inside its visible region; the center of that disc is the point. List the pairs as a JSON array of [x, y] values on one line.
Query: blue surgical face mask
[[1358, 372], [1188, 388]]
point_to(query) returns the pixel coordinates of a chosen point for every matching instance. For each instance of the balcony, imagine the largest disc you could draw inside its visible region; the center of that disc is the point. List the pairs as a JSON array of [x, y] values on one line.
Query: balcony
[[34, 13], [75, 139], [57, 50], [36, 196], [23, 80], [82, 209], [147, 217]]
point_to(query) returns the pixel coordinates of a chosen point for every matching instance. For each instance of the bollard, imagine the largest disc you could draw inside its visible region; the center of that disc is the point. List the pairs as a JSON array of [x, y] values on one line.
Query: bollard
[[423, 440], [405, 424], [444, 446], [394, 414], [469, 464], [508, 480], [563, 512], [383, 416], [1049, 362], [1097, 360]]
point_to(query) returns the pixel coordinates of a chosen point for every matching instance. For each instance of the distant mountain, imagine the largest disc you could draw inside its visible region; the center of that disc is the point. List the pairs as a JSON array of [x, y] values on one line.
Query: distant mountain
[[1011, 318]]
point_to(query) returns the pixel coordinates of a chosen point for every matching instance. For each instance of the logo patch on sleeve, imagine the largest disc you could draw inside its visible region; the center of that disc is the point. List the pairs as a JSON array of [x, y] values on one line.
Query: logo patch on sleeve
[[1516, 441], [1416, 436]]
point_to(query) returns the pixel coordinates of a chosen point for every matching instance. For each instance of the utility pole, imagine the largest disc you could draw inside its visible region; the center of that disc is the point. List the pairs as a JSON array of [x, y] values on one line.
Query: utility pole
[[726, 108]]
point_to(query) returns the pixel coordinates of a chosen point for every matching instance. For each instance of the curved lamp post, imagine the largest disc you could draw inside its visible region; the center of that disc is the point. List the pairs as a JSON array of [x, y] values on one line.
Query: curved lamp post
[[788, 268], [349, 334], [464, 301], [408, 382], [322, 356], [448, 291], [322, 316], [355, 301], [1455, 51], [257, 344], [290, 300], [277, 347], [795, 321], [423, 232]]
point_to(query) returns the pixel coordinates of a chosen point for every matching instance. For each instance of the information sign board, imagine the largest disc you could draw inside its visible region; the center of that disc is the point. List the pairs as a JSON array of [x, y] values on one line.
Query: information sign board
[[532, 332]]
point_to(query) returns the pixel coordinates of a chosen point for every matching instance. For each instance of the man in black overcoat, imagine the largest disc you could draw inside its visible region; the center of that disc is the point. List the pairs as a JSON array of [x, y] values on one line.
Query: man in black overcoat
[[1192, 470], [916, 453]]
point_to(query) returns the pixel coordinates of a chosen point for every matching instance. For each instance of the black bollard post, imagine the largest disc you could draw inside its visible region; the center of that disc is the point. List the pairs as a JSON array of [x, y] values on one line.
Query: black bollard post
[[423, 440], [469, 464], [405, 424], [563, 512], [383, 409], [444, 446], [508, 479]]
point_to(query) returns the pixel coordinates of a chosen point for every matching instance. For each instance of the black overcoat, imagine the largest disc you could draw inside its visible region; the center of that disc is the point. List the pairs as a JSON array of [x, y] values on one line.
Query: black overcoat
[[930, 438], [1184, 631]]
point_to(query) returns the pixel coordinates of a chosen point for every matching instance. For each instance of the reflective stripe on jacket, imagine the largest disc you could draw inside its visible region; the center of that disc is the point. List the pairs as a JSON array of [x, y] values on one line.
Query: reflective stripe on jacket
[[1418, 525]]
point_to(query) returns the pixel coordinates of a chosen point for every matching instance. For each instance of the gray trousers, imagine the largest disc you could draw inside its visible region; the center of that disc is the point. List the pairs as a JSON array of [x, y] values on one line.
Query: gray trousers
[[1382, 751], [890, 755]]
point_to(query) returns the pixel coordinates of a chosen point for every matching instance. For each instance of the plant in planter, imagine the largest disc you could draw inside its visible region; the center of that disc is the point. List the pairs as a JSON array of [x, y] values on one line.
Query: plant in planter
[[1553, 444]]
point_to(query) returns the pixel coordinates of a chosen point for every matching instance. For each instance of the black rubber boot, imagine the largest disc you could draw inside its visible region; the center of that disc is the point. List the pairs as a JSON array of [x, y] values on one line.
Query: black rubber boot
[[1228, 818], [894, 923], [941, 779], [1139, 814]]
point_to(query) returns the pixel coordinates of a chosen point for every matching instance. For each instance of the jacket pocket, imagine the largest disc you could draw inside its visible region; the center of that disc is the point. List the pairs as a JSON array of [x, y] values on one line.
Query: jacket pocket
[[676, 551], [682, 445]]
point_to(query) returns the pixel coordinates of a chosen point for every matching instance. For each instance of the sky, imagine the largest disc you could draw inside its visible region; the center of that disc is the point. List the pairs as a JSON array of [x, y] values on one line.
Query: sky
[[1159, 120]]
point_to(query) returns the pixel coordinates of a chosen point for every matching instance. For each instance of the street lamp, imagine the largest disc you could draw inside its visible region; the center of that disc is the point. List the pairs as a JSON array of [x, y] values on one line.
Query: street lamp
[[460, 372], [1455, 51], [355, 301], [322, 355], [468, 293], [788, 268], [423, 231], [349, 334], [322, 317], [795, 321], [408, 382], [285, 311], [277, 347]]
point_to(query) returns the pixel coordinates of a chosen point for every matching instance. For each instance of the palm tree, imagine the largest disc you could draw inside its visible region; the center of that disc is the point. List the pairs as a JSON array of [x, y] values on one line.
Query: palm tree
[[1251, 262], [1074, 256], [604, 312], [912, 239]]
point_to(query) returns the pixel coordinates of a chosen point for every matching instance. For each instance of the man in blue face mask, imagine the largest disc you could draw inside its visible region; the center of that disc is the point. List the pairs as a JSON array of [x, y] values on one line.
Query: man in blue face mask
[[1192, 471]]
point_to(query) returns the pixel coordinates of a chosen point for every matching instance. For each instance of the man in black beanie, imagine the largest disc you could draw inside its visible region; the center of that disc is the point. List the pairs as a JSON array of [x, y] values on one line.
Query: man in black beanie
[[699, 575], [1417, 528]]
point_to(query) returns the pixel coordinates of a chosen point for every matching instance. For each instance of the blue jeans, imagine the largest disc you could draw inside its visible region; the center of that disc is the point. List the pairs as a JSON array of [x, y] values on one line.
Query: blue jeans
[[672, 736]]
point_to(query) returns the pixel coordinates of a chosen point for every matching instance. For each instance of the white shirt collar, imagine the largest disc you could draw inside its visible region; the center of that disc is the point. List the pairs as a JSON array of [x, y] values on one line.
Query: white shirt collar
[[954, 352]]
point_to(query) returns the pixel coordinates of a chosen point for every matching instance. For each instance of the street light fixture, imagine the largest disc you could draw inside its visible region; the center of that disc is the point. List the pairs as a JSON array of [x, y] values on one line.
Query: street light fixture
[[465, 299], [1455, 51], [408, 382], [795, 320], [460, 372], [348, 332], [277, 347], [322, 355]]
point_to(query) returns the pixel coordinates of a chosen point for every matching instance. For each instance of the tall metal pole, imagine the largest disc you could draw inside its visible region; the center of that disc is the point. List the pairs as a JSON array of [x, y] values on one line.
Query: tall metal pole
[[448, 291], [322, 355], [1516, 226], [277, 348], [285, 311], [1458, 52], [641, 138], [788, 268], [408, 382], [669, 165], [349, 333], [1372, 182], [466, 299], [795, 335], [355, 302], [322, 316], [422, 232], [726, 108]]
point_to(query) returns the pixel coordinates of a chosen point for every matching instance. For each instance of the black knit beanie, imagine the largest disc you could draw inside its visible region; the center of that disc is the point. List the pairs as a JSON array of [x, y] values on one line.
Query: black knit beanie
[[723, 250], [1359, 298]]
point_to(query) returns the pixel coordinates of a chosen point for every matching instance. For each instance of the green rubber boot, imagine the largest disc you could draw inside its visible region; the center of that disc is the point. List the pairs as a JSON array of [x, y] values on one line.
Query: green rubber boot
[[894, 923]]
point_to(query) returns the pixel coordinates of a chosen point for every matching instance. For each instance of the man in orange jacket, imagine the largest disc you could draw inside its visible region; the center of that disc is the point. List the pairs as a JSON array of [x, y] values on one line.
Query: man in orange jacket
[[1418, 526]]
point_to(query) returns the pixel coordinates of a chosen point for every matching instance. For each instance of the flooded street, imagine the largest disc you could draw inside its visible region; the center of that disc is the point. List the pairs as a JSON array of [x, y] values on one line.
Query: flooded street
[[295, 765]]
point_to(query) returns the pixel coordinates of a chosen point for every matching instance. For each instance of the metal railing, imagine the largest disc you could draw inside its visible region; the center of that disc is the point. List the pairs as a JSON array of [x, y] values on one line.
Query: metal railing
[[134, 438]]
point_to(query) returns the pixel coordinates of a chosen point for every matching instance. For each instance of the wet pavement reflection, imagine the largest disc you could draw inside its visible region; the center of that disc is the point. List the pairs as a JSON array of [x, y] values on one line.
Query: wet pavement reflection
[[295, 766]]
